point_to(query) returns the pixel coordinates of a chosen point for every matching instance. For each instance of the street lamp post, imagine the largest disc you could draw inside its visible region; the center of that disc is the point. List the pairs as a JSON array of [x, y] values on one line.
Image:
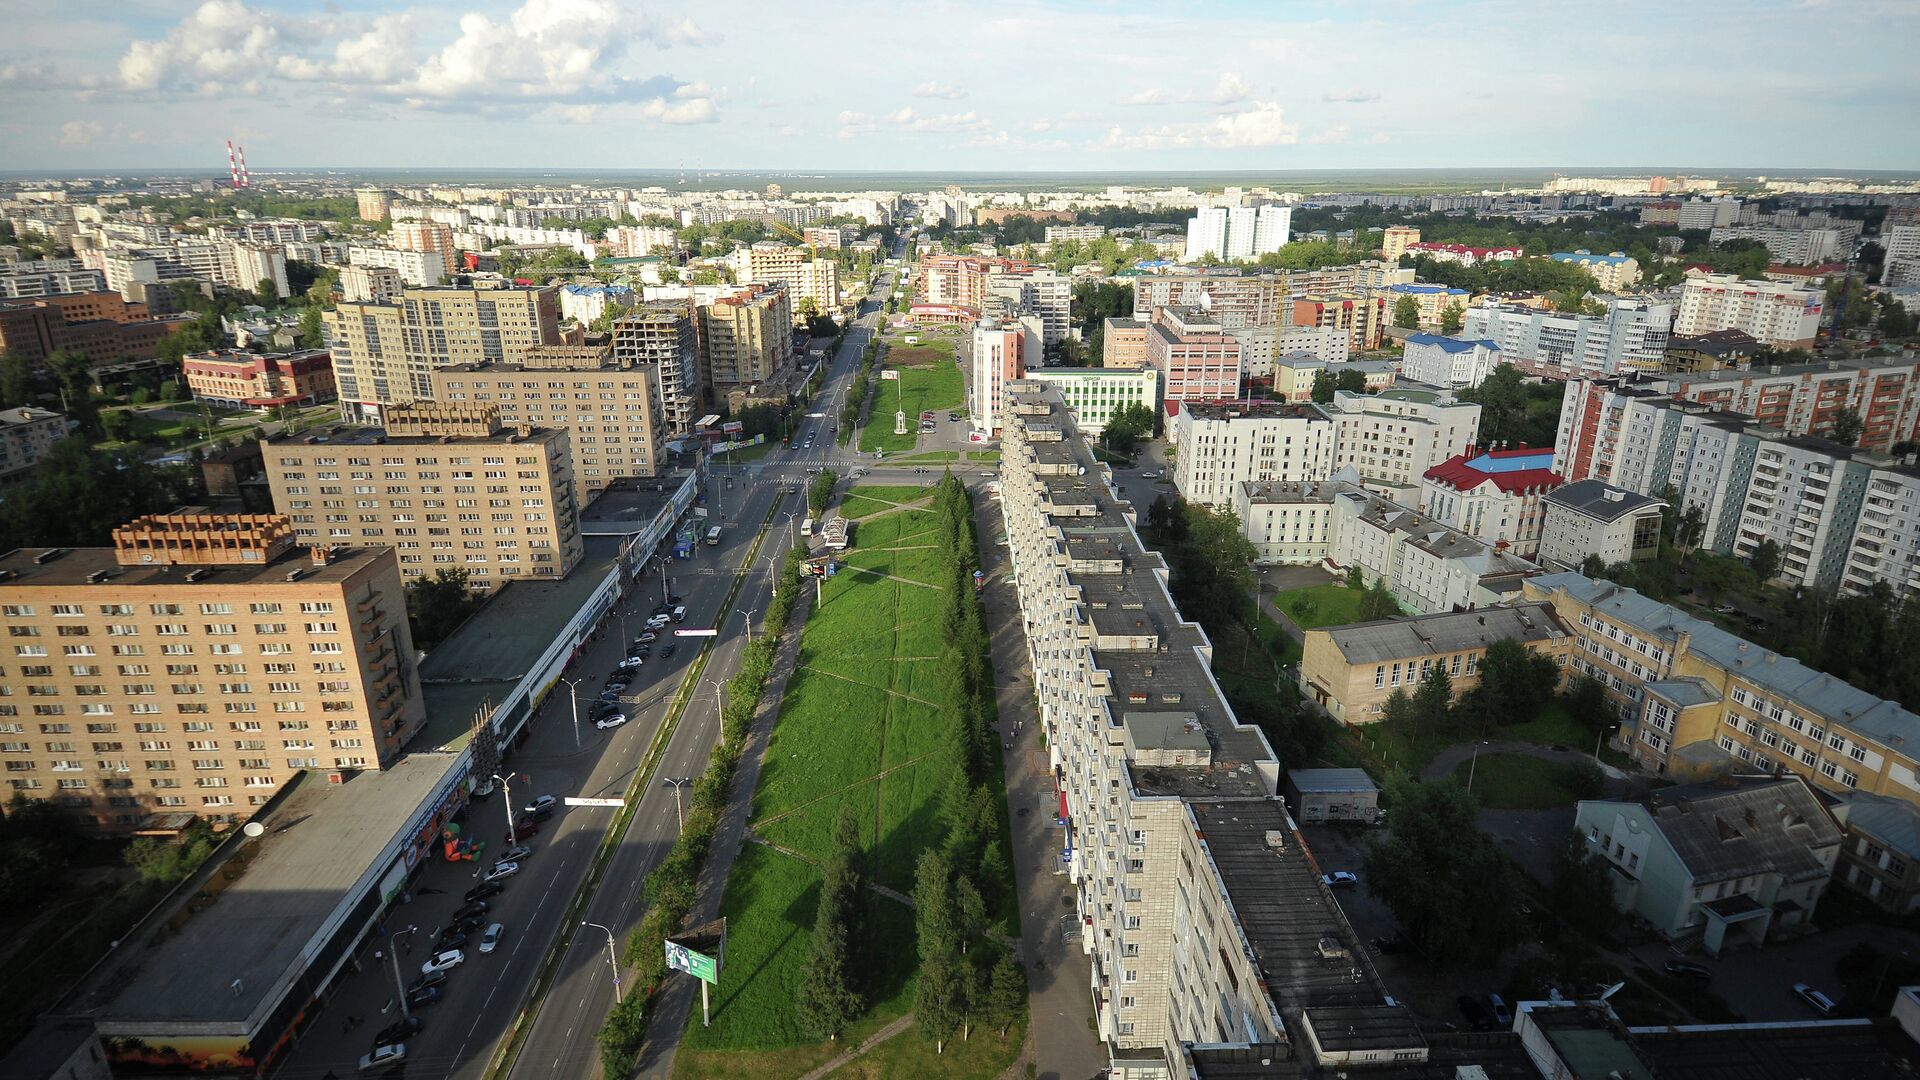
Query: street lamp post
[[1597, 739], [613, 961], [748, 615], [573, 692], [393, 954], [1475, 763], [506, 789], [679, 815]]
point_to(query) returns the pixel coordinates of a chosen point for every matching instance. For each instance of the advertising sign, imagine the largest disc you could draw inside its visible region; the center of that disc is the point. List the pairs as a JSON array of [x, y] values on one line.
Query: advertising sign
[[700, 966]]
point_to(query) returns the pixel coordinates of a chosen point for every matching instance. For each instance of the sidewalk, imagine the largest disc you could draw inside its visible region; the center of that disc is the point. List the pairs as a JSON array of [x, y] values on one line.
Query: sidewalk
[[1059, 975], [675, 1002]]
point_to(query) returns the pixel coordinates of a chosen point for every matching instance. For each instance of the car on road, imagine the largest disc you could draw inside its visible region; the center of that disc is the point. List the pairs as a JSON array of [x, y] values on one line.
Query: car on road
[[490, 940], [482, 891], [1149, 475], [466, 924], [515, 853], [450, 939], [679, 614], [384, 1056], [631, 672], [610, 721], [425, 996], [1686, 969], [542, 806], [474, 907], [397, 1031], [1340, 879], [1497, 1008], [443, 961], [522, 829], [502, 871], [1815, 999], [953, 416], [1724, 609], [987, 475], [667, 650]]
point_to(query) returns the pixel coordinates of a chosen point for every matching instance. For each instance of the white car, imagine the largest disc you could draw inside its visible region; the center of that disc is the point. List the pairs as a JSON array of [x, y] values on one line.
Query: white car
[[657, 622], [383, 1056], [1339, 879], [648, 637], [611, 721], [490, 940], [516, 853], [1149, 475], [445, 961], [503, 870]]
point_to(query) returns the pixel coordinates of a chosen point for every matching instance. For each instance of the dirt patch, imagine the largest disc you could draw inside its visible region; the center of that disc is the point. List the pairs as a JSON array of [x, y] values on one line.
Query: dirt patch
[[917, 356]]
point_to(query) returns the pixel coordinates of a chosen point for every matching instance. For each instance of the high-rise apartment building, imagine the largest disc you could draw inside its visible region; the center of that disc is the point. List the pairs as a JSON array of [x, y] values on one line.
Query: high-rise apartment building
[[1362, 317], [771, 262], [1002, 353], [386, 353], [430, 237], [748, 337], [1196, 358], [371, 284], [1902, 266], [373, 204], [1395, 239], [199, 664], [422, 268], [1237, 232], [611, 414], [662, 336], [1226, 444], [1238, 300], [1630, 337], [443, 484], [1123, 343], [1392, 438], [1778, 315], [1039, 291], [1795, 247]]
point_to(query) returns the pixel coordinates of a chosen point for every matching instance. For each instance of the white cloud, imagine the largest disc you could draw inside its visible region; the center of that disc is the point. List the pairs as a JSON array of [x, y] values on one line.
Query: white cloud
[[1152, 95], [946, 123], [1263, 123], [853, 124], [1355, 96], [939, 90], [1335, 134], [1231, 89], [80, 132]]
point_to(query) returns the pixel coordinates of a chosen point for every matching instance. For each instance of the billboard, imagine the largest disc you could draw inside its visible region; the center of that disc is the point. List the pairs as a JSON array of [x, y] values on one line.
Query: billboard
[[700, 966]]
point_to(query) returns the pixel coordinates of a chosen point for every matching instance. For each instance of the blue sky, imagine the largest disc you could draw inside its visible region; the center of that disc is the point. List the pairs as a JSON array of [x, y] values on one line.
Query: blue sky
[[979, 85]]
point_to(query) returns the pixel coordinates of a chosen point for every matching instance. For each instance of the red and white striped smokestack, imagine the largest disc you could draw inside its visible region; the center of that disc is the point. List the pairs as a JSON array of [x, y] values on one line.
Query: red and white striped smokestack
[[245, 180], [233, 165]]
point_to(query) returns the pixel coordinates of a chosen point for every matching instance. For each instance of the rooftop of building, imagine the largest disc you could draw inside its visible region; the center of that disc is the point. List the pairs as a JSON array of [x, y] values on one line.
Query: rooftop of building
[[1509, 470], [1854, 364], [1833, 699], [1421, 289], [1685, 692], [1715, 342], [1445, 632], [67, 567], [630, 502], [1431, 536], [1805, 1050], [1599, 499], [1256, 409], [1615, 259], [1330, 781], [1587, 1038], [353, 435], [21, 415], [1894, 822], [1122, 322], [1292, 491], [1452, 344], [1738, 826], [320, 839], [1358, 1029], [1296, 930]]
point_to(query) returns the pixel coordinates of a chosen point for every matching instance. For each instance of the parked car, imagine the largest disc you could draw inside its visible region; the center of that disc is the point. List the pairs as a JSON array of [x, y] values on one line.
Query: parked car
[[449, 940], [1150, 475], [667, 650], [1724, 609], [522, 829], [542, 806], [384, 1056], [679, 614], [663, 608], [1340, 879], [490, 940], [474, 907], [482, 891], [1497, 1007], [466, 924], [397, 1031], [601, 710], [1686, 970], [657, 622], [1476, 1013], [515, 853], [426, 995], [649, 637], [610, 720], [1816, 1000], [430, 979], [443, 961], [503, 870]]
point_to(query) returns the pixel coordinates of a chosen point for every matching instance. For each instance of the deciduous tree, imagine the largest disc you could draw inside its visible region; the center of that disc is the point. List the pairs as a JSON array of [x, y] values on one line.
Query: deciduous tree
[[1446, 882]]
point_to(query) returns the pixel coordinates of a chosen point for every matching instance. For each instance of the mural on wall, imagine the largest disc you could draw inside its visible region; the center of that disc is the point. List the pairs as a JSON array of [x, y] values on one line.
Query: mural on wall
[[187, 1055]]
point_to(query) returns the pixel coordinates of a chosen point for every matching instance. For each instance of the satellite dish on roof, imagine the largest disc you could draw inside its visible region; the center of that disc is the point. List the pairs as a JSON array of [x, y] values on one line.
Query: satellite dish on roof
[[253, 828]]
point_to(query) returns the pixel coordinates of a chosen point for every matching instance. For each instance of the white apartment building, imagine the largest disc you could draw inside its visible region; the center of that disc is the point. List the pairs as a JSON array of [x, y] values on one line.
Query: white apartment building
[[1002, 352], [1392, 438], [1094, 393], [1037, 291], [1708, 213], [1450, 362], [806, 279], [1225, 445], [1495, 496], [1632, 336], [47, 277], [1173, 835], [1902, 267], [371, 284], [1234, 233], [1795, 247], [423, 268], [1613, 272], [1593, 517], [1776, 315], [235, 264], [1236, 298]]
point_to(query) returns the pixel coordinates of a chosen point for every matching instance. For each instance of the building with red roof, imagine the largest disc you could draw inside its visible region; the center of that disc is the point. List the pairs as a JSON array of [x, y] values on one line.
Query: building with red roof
[[1462, 254], [1495, 496], [260, 381]]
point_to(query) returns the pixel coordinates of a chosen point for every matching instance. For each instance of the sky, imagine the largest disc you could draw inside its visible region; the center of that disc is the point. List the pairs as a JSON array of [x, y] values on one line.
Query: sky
[[980, 85]]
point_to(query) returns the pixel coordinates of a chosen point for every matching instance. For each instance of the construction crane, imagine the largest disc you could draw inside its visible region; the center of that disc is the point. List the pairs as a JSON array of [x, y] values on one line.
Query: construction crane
[[804, 242]]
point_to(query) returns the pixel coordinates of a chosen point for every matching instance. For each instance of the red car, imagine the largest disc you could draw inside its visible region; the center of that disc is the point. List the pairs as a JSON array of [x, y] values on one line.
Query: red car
[[522, 829]]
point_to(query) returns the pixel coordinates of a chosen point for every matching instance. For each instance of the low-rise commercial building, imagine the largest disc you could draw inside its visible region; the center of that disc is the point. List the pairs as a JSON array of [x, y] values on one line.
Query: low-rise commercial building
[[1317, 795], [444, 485], [1498, 497], [1593, 517], [202, 662], [1351, 671], [1719, 864], [26, 434], [259, 380], [1449, 362]]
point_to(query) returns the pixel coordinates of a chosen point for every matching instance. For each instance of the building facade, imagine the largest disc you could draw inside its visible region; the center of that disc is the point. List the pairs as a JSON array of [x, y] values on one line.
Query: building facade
[[1094, 394], [1778, 316], [1392, 438], [444, 485], [810, 282], [1123, 343], [1498, 497], [1351, 671], [1223, 445], [1450, 362], [1363, 318], [748, 337], [663, 337], [1593, 517], [1630, 337], [385, 354], [259, 381], [1196, 359], [1002, 352], [199, 664], [26, 434]]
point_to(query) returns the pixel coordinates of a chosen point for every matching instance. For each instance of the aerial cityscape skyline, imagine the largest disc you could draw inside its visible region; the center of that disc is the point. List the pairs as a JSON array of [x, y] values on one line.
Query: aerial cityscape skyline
[[604, 84]]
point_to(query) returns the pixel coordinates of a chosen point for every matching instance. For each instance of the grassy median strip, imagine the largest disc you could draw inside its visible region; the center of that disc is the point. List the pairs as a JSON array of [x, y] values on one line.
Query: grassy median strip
[[503, 1061]]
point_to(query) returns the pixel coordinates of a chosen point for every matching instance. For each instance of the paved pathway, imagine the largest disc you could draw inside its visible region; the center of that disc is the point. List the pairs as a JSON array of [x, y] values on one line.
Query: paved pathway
[[1447, 761], [866, 1044]]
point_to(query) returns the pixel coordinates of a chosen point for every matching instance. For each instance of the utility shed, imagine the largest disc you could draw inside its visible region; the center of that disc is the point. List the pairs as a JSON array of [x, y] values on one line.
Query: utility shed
[[1333, 795]]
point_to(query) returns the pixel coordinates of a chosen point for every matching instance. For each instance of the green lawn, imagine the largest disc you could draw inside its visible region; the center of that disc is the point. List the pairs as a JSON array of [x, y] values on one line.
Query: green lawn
[[912, 1054], [919, 389], [928, 456], [879, 498], [1412, 751], [858, 727], [1320, 605], [1519, 782]]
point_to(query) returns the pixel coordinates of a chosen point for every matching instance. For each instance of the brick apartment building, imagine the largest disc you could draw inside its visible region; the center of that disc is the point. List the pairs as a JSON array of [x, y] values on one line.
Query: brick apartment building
[[260, 381]]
